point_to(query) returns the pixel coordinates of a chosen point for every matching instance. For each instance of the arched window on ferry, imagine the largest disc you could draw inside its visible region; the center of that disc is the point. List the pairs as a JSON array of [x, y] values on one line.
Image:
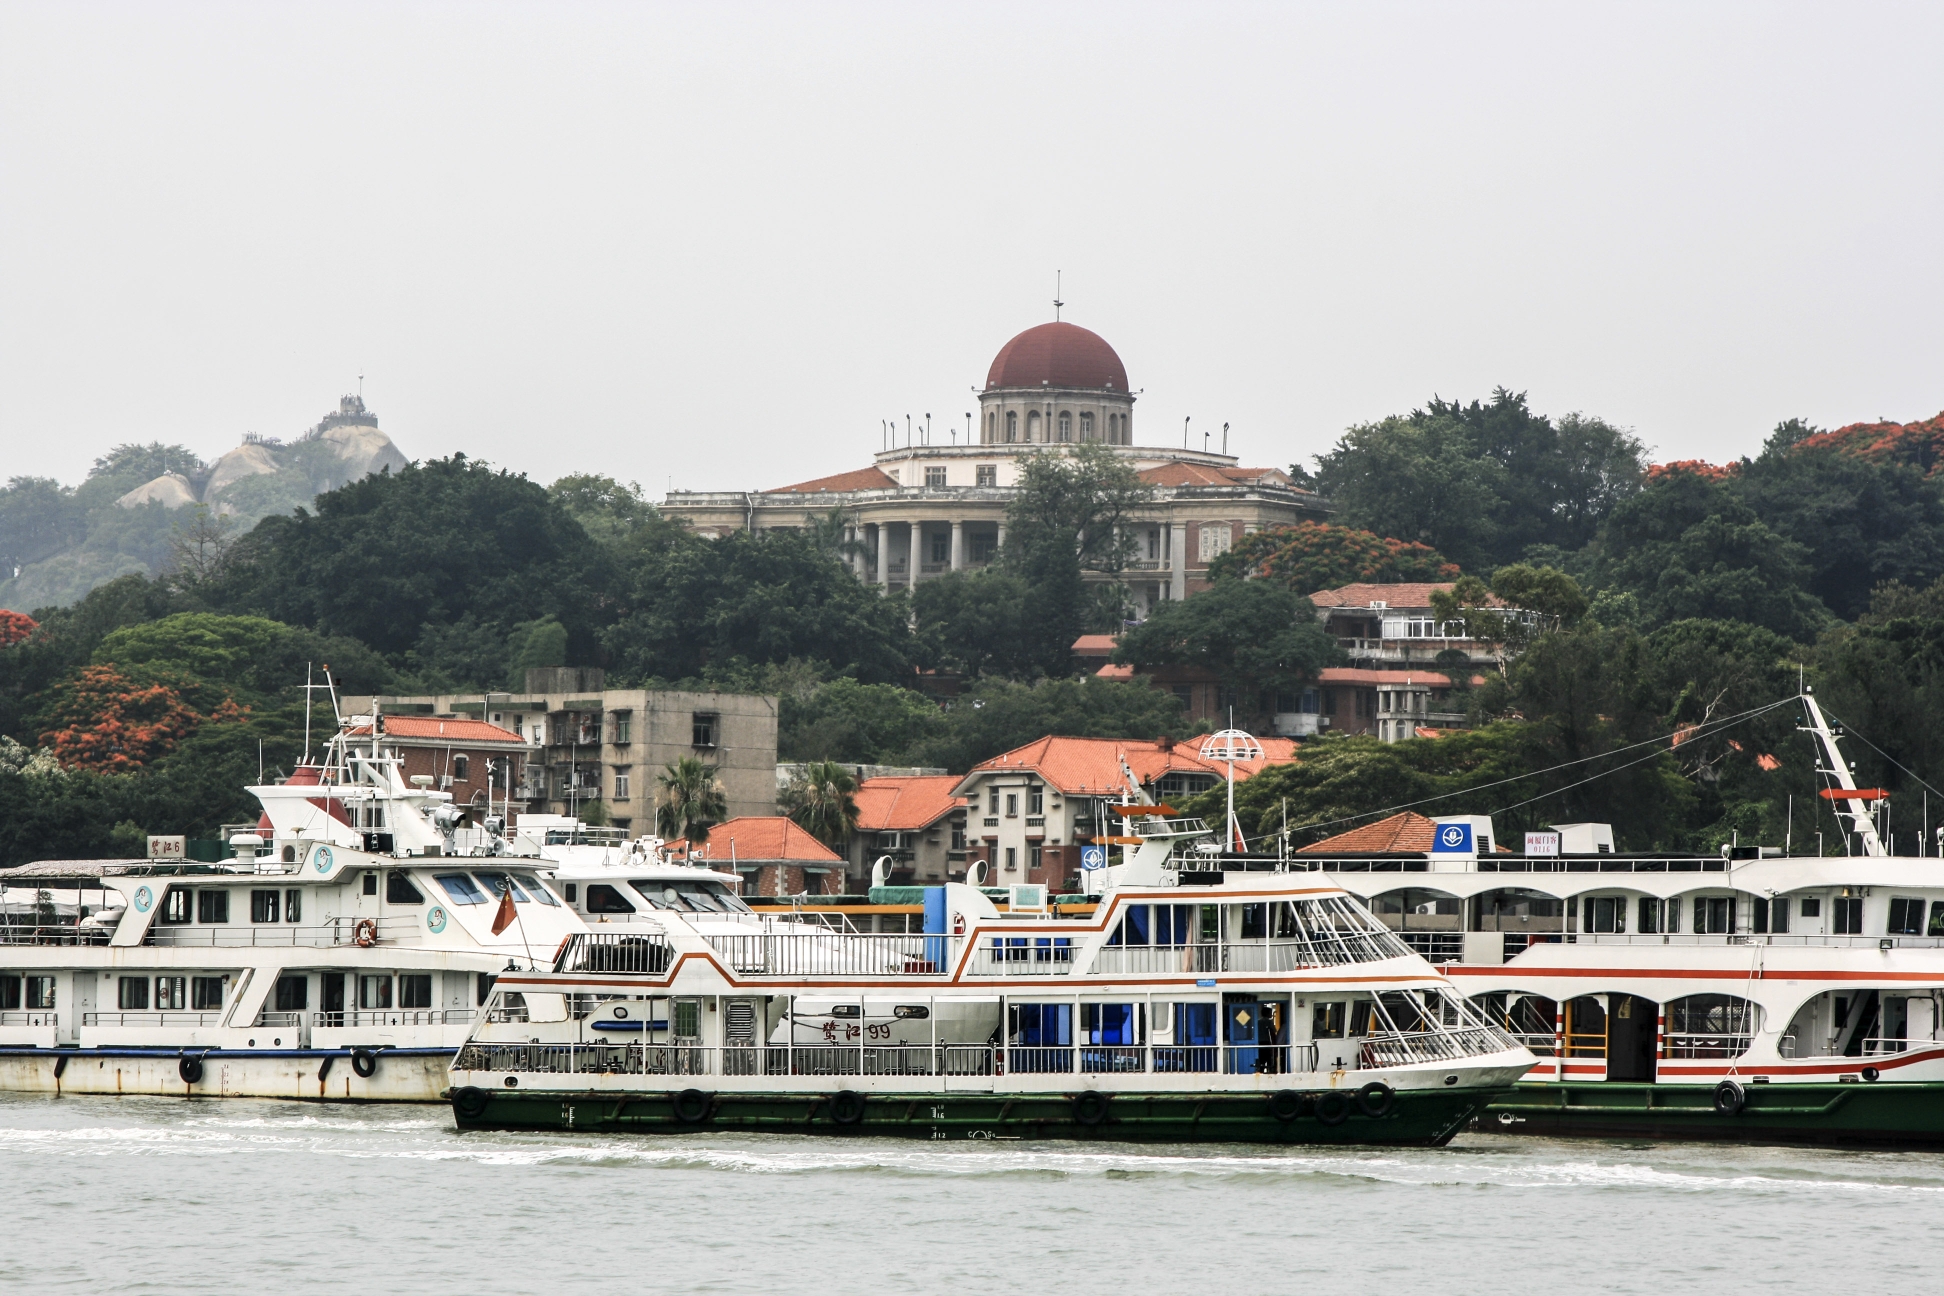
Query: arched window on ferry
[[1530, 1019], [1523, 915], [1603, 915], [1710, 1026], [1430, 922], [1714, 915]]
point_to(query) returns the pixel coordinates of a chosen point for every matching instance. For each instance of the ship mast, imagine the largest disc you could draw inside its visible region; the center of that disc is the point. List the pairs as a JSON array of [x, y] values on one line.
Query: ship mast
[[1855, 808]]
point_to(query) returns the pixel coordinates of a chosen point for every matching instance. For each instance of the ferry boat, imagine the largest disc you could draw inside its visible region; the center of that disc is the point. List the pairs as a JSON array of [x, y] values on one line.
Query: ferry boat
[[1197, 995], [1754, 995], [342, 953]]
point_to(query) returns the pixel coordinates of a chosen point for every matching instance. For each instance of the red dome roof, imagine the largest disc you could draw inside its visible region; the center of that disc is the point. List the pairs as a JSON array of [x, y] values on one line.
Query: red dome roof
[[1057, 355]]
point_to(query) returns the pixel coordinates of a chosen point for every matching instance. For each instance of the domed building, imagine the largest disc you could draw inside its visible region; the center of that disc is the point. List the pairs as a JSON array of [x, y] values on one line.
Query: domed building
[[924, 509]]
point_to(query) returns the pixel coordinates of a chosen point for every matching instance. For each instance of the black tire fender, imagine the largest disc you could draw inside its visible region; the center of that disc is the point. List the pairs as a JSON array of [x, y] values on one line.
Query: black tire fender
[[190, 1069], [1089, 1108], [1871, 1074], [1333, 1108], [1376, 1099], [846, 1107], [692, 1106], [469, 1102], [1287, 1105], [364, 1062], [1729, 1098]]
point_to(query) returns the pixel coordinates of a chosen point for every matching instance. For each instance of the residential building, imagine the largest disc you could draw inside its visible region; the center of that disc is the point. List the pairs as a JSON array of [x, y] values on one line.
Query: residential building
[[772, 855], [1389, 627], [1031, 810], [586, 742], [918, 821], [476, 762], [937, 503]]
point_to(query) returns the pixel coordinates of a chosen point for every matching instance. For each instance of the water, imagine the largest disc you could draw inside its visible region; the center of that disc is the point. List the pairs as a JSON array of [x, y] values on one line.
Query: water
[[151, 1194]]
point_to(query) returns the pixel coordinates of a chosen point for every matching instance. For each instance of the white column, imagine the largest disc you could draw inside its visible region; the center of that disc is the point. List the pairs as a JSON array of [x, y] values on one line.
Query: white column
[[1178, 561], [1000, 543], [884, 557], [958, 545], [914, 553]]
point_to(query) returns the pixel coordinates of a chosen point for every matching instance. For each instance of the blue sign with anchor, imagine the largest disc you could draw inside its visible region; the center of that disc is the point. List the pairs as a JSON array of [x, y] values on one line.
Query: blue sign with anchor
[[1452, 839], [1093, 857]]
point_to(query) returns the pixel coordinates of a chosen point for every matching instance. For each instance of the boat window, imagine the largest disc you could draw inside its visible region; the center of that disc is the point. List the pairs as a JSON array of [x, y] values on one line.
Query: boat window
[[293, 905], [171, 992], [1194, 1023], [206, 993], [1812, 906], [538, 889], [293, 994], [696, 897], [265, 906], [573, 892], [1906, 916], [1042, 1025], [40, 992], [415, 990], [399, 889], [1111, 1023], [1360, 1017], [176, 905], [375, 991], [461, 888], [1710, 1026], [1848, 914], [132, 992], [604, 899], [911, 1012], [9, 993], [483, 987], [1779, 914], [1714, 915], [499, 883], [1605, 914], [212, 906], [1936, 927], [846, 1010], [1326, 1021], [1254, 921]]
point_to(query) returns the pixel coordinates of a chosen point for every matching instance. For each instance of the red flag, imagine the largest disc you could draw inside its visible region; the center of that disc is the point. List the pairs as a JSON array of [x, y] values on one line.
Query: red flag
[[504, 918]]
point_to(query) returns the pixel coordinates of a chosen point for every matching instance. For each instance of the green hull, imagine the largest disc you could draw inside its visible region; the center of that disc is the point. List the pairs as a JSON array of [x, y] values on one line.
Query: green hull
[[1883, 1114], [1416, 1118]]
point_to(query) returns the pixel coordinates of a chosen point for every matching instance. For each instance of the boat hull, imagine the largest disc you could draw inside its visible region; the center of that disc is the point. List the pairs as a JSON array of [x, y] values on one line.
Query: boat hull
[[1885, 1114], [315, 1075], [1416, 1117]]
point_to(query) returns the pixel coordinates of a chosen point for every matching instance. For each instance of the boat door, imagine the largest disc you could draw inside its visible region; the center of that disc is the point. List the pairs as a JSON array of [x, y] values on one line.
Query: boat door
[[85, 982], [1631, 1031], [330, 998], [1245, 1032]]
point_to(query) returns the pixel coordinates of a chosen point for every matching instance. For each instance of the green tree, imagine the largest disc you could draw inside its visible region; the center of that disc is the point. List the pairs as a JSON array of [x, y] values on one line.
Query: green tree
[[1254, 636], [866, 724], [692, 800], [1521, 603], [820, 800], [974, 623], [609, 511], [995, 715]]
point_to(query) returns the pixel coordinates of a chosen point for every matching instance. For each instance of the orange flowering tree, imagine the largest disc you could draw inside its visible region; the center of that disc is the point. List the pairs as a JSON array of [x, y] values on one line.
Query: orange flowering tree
[[1313, 556], [1697, 467], [100, 719], [15, 626], [1920, 445]]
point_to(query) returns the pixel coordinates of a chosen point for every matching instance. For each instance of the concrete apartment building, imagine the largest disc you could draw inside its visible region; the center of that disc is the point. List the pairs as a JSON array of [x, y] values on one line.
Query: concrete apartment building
[[937, 503], [585, 742]]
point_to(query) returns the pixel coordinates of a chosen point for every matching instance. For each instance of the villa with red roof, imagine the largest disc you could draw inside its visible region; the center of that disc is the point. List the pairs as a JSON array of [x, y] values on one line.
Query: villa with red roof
[[773, 855], [917, 822], [934, 500], [463, 757]]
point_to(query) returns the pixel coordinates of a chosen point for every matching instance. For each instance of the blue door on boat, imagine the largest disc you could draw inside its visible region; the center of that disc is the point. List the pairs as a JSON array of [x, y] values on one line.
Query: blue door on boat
[[1244, 1032]]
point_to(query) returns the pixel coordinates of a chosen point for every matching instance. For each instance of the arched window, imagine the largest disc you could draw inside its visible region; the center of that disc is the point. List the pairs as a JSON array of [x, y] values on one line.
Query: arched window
[[1086, 425], [1066, 426], [1033, 425], [1113, 429], [1012, 426], [1710, 1026], [992, 422]]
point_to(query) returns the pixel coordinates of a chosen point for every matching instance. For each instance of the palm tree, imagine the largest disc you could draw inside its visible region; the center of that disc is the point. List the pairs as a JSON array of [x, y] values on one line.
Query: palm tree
[[818, 798], [692, 800]]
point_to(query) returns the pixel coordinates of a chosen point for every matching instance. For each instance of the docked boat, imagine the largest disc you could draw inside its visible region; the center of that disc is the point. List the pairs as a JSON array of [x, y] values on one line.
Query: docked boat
[[1197, 996], [342, 953], [1753, 995]]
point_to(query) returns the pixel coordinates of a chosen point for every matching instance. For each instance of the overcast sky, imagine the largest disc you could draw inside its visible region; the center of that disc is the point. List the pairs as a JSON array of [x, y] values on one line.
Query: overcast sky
[[718, 244]]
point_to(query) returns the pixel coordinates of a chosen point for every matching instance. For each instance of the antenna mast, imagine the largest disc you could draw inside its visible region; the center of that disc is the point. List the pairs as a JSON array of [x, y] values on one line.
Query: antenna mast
[[1057, 303], [1861, 821]]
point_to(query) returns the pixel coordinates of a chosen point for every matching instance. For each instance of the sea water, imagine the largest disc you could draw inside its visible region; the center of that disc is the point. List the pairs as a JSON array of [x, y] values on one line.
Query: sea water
[[175, 1196]]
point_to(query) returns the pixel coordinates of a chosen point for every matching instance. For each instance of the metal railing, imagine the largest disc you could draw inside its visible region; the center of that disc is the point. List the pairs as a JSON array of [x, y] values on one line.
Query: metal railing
[[152, 1019], [746, 1060], [645, 950], [1325, 948], [833, 953], [1437, 947], [1404, 1048], [392, 1017], [54, 934], [339, 931], [1701, 1045], [1762, 938], [1536, 1043], [30, 1018], [282, 1019], [1163, 1059], [1023, 956]]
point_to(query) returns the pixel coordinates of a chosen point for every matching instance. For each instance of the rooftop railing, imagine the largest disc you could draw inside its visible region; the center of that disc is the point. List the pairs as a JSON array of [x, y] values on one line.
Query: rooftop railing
[[833, 953], [643, 949], [152, 1019], [387, 1017], [338, 931]]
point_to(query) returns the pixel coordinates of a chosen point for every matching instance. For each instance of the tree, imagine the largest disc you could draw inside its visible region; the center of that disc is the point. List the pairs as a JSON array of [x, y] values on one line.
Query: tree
[[1254, 636], [1521, 603], [867, 724], [692, 800], [819, 800], [1884, 678], [607, 510], [104, 721], [974, 623], [39, 517], [199, 552], [15, 626], [252, 658], [1312, 556], [994, 716]]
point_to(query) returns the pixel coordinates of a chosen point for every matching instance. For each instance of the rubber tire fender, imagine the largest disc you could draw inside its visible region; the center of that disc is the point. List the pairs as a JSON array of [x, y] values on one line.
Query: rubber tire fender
[[1376, 1099], [691, 1106], [364, 1062], [469, 1102], [846, 1107], [1287, 1105], [1089, 1108], [1333, 1108], [190, 1069], [1729, 1098]]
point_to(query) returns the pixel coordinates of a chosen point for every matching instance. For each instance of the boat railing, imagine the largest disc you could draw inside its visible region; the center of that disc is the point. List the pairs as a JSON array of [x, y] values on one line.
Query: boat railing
[[54, 934], [152, 1019], [1023, 956], [1705, 1045], [30, 1018], [289, 1020], [388, 1017], [1877, 1045], [749, 1060], [833, 953], [1402, 1048], [1538, 1043], [645, 950], [1162, 1059], [338, 931], [1786, 939], [1327, 949]]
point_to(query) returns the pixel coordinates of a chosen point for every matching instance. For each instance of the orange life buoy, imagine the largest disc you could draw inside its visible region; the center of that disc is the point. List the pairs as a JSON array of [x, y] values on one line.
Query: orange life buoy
[[958, 924], [366, 932]]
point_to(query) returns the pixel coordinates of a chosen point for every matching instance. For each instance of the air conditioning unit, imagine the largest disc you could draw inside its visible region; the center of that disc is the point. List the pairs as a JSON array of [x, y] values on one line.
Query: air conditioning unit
[[445, 782]]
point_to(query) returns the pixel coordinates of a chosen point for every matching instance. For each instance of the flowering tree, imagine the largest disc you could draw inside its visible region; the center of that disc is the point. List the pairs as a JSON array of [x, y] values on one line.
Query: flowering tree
[[100, 719], [15, 626], [1313, 556]]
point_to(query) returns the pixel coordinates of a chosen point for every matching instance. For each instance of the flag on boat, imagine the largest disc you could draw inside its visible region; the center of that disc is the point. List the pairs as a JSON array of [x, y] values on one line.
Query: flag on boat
[[504, 918]]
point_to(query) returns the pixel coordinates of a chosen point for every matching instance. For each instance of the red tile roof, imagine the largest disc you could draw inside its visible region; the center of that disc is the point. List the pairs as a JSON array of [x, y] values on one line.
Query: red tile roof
[[1397, 597], [760, 839], [1408, 831], [1095, 645], [1355, 675], [1091, 766], [861, 479], [442, 729], [1193, 474], [905, 804]]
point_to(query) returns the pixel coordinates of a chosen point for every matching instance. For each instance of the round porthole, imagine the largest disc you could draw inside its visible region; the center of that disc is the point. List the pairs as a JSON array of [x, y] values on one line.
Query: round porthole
[[512, 1082]]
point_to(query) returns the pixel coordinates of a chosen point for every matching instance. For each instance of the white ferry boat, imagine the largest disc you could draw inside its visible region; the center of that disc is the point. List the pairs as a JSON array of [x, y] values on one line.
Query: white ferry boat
[[1751, 995], [343, 953], [1200, 997]]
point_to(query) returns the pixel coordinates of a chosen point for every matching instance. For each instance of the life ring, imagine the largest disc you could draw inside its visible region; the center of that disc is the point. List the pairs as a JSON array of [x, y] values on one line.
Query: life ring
[[1089, 1108], [366, 932], [691, 1106], [1333, 1108], [958, 924], [364, 1062], [1376, 1098], [1287, 1105], [846, 1107], [190, 1069], [1728, 1098], [469, 1102]]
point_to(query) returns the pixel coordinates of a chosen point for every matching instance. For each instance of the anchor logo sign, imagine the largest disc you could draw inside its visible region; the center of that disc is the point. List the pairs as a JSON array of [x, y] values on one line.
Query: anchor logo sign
[[1454, 838]]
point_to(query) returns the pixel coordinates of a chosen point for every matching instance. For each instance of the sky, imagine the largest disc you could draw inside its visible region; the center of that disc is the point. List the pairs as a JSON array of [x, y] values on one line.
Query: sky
[[717, 246]]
